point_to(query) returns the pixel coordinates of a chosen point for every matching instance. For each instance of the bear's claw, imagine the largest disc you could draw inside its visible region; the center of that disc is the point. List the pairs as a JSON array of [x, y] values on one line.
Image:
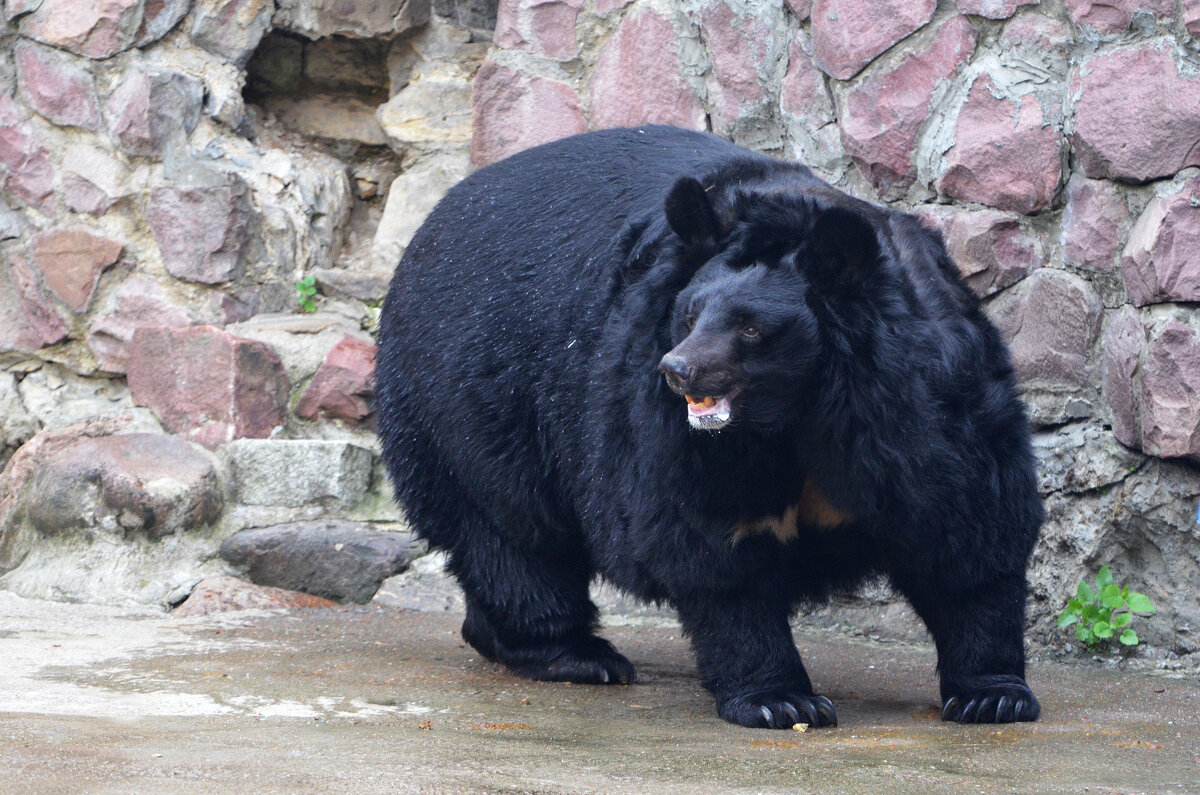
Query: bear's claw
[[1004, 699], [779, 709]]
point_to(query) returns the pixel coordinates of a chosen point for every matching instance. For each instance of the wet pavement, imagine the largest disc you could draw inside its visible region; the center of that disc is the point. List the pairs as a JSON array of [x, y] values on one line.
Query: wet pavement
[[381, 698]]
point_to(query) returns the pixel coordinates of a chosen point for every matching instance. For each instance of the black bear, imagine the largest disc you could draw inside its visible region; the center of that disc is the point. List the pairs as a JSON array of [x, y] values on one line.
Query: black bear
[[716, 381]]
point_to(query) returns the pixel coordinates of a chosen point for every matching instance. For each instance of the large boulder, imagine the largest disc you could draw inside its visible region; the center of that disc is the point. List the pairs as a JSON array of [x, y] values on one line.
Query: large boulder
[[334, 559]]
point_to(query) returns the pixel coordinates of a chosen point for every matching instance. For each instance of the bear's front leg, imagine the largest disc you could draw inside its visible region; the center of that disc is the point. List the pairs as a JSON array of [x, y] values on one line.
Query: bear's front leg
[[748, 661], [979, 631]]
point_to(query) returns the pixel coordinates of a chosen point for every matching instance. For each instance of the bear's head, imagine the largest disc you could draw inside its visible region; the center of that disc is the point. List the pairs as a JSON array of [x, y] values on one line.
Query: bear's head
[[773, 268]]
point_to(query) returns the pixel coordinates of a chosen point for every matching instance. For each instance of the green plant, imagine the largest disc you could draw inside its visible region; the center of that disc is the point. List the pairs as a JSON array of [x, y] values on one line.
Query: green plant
[[307, 287], [1100, 612]]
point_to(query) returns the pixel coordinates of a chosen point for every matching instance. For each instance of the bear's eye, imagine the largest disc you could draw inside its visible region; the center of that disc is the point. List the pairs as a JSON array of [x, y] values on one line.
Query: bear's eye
[[690, 319], [750, 332]]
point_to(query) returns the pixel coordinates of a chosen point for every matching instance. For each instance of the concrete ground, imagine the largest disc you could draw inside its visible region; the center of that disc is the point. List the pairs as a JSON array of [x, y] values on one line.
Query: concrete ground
[[384, 698]]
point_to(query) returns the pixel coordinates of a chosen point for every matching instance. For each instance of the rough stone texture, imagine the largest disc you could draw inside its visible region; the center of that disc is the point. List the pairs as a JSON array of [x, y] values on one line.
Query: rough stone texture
[[17, 425], [743, 53], [71, 260], [1006, 152], [343, 385], [1081, 457], [1169, 398], [93, 179], [56, 87], [159, 18], [411, 197], [28, 320], [1114, 16], [515, 111], [638, 77], [94, 28], [295, 473], [154, 109], [882, 115], [16, 538], [1094, 222], [301, 341], [156, 485], [807, 110], [29, 171], [1050, 321], [434, 110], [202, 232], [224, 594], [1159, 261], [140, 301], [544, 27], [206, 384], [332, 116], [318, 18], [1124, 340], [231, 28], [335, 559], [992, 9], [1137, 118], [1190, 17], [849, 34], [990, 248]]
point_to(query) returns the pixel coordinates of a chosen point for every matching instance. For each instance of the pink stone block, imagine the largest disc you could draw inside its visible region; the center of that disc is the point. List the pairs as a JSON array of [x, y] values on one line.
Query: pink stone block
[[849, 34], [1050, 322], [343, 385], [28, 320], [1170, 393], [1124, 338], [1094, 221], [1136, 117], [30, 176], [882, 116], [201, 232], [738, 44], [638, 77], [543, 27], [140, 301], [1114, 16], [1159, 261], [513, 111], [55, 87], [1007, 152], [93, 28], [207, 385], [990, 248], [71, 260]]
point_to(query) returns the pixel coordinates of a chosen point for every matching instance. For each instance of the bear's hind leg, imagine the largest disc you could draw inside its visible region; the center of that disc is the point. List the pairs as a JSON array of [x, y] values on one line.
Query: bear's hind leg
[[979, 632], [532, 613]]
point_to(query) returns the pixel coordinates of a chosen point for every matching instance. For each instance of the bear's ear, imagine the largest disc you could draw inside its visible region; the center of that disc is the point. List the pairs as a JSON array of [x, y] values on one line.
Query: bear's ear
[[692, 217], [844, 247]]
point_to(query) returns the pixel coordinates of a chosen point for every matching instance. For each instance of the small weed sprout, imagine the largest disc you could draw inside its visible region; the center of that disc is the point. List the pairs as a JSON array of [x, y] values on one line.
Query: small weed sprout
[[307, 288], [1099, 612]]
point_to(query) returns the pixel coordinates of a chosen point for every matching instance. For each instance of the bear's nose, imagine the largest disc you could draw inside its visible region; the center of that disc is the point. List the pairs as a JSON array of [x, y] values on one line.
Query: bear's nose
[[678, 370]]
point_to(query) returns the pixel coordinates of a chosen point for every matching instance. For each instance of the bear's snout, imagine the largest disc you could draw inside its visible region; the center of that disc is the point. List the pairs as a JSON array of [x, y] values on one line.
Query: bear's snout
[[677, 370]]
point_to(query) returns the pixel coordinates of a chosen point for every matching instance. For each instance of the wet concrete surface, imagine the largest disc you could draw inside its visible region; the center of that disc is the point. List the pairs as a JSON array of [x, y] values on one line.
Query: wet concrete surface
[[381, 698]]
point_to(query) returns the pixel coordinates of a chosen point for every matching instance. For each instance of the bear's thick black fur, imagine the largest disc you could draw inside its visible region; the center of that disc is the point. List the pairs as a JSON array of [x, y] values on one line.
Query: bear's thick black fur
[[716, 381]]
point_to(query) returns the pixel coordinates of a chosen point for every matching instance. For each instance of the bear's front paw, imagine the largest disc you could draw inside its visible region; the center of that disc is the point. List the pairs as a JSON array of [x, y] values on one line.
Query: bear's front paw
[[591, 662], [992, 699], [778, 709]]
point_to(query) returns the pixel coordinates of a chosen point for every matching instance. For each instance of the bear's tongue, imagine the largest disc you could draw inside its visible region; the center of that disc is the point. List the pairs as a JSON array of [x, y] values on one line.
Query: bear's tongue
[[716, 408]]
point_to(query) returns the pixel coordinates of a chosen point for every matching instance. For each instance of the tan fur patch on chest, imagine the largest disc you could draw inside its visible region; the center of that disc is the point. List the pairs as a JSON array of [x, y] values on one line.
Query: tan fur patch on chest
[[812, 510]]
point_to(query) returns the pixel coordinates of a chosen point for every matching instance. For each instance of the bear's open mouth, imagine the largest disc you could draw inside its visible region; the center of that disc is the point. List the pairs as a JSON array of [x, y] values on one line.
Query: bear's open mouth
[[709, 413]]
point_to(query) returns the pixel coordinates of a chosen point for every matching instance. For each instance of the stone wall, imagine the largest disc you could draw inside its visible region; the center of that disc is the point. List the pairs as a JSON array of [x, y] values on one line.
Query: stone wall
[[172, 169]]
